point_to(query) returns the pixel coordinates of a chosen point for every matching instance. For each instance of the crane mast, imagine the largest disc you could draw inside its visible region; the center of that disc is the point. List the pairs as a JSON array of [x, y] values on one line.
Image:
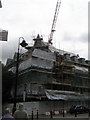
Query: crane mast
[[54, 21]]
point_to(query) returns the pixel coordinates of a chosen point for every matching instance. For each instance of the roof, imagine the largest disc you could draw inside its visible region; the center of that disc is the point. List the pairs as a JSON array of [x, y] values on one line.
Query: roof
[[61, 52]]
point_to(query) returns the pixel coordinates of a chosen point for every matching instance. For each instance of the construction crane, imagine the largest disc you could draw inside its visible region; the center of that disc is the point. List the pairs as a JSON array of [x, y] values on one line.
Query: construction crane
[[54, 21]]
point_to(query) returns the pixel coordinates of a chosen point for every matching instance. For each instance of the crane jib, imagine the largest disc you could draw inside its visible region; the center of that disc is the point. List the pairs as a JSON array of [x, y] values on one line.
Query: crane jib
[[54, 21]]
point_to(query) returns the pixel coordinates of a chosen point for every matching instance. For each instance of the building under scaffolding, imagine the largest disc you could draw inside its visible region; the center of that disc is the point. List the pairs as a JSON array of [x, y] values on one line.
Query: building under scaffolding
[[50, 79]]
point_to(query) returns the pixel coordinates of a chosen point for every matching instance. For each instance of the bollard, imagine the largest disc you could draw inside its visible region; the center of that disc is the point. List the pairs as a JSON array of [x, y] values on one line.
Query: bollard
[[37, 114], [13, 110], [51, 114], [32, 114], [63, 113], [89, 112], [75, 113]]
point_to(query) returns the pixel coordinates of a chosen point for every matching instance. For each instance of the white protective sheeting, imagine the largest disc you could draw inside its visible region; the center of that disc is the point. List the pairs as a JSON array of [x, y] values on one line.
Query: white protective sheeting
[[65, 95], [54, 96], [35, 62], [25, 64], [82, 69], [13, 69], [44, 55]]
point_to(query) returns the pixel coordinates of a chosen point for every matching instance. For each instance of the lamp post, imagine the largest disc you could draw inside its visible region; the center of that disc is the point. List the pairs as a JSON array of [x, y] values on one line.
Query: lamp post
[[23, 44], [63, 89]]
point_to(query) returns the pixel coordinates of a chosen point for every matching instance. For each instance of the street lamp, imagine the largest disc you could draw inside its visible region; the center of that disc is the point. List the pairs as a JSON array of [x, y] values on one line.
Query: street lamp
[[23, 44], [3, 35]]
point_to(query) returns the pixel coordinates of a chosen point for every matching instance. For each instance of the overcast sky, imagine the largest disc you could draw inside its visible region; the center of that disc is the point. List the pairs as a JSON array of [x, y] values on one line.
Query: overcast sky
[[27, 18]]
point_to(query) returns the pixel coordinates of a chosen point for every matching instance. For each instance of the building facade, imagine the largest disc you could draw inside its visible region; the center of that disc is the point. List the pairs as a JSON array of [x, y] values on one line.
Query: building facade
[[50, 78]]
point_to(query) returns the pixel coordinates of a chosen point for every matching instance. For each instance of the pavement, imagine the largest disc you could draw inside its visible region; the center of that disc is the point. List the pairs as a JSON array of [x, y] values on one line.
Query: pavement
[[60, 117]]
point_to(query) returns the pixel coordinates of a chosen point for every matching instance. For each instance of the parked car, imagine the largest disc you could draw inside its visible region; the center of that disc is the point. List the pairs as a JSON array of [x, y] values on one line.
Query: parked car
[[78, 109]]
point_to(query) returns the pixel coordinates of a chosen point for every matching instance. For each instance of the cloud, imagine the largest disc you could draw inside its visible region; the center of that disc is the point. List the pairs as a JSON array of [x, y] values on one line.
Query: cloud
[[22, 17], [8, 50], [10, 47], [84, 38], [76, 44], [72, 38]]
